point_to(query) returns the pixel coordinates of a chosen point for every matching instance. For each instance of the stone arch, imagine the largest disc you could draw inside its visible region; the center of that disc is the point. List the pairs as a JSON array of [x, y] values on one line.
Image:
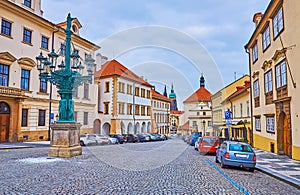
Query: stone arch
[[144, 127], [5, 121], [137, 128], [130, 128], [149, 127], [123, 128], [106, 129], [284, 143], [97, 126]]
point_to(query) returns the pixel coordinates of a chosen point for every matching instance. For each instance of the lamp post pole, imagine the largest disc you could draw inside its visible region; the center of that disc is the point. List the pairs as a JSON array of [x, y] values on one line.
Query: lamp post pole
[[65, 132]]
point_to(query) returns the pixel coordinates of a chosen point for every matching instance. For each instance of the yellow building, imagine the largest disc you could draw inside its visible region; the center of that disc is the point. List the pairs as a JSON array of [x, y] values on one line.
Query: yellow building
[[274, 67], [24, 99], [218, 109], [238, 103]]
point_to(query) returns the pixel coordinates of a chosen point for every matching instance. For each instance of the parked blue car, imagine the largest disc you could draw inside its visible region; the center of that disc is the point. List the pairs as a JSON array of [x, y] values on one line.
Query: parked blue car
[[237, 154]]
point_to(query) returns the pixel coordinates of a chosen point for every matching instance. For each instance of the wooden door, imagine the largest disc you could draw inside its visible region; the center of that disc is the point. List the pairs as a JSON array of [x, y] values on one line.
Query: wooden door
[[4, 127], [286, 137]]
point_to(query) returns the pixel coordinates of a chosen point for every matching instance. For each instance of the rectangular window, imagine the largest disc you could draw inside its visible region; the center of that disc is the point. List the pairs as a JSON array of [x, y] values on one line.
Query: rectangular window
[[137, 110], [137, 91], [256, 89], [75, 92], [254, 53], [85, 118], [148, 110], [248, 108], [257, 124], [24, 122], [121, 108], [106, 108], [148, 94], [281, 74], [27, 3], [129, 89], [143, 110], [106, 87], [42, 118], [27, 36], [62, 49], [241, 110], [143, 93], [121, 88], [86, 90], [4, 72], [129, 109], [270, 123], [25, 78], [266, 38], [268, 82], [75, 116], [6, 28], [278, 23], [44, 42], [43, 86]]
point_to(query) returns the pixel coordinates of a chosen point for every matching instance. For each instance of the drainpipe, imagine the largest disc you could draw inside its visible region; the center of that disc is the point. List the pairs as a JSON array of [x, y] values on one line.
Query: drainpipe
[[251, 102]]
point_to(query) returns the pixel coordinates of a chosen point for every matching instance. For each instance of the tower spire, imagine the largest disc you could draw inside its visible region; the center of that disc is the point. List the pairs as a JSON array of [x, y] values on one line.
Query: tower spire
[[202, 81], [165, 91]]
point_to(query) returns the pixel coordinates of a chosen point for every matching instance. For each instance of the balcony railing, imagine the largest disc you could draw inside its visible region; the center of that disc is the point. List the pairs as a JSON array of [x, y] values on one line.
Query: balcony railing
[[12, 92]]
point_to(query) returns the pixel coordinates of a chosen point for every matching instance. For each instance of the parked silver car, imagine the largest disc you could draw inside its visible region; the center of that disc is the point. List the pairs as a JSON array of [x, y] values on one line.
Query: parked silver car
[[87, 139]]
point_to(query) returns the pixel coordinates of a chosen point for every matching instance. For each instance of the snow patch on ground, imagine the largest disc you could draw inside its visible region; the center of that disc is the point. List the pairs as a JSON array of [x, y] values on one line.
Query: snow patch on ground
[[40, 160]]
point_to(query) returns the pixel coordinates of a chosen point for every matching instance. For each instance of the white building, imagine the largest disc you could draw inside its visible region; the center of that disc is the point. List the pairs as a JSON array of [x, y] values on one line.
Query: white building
[[124, 100]]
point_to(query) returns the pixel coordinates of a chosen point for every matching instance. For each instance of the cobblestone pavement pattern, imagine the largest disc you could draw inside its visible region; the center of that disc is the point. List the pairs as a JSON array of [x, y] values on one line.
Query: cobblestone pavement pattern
[[175, 169]]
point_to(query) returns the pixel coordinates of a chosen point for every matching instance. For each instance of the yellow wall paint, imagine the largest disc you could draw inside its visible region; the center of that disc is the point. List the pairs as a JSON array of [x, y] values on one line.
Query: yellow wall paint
[[296, 153], [263, 143]]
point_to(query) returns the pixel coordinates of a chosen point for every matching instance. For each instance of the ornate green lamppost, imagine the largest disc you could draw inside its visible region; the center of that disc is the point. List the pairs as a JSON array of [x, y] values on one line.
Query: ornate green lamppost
[[65, 132]]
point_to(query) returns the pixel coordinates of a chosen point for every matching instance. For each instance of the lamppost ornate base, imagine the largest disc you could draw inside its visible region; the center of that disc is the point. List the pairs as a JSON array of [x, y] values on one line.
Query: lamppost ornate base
[[65, 141]]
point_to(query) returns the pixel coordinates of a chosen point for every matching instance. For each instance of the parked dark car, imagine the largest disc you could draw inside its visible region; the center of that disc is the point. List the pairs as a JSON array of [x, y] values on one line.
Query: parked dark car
[[143, 137], [131, 138], [121, 138], [237, 154]]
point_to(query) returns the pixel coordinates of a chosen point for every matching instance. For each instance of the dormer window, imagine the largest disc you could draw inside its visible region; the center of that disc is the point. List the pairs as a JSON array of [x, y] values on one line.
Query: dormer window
[[27, 3], [74, 28]]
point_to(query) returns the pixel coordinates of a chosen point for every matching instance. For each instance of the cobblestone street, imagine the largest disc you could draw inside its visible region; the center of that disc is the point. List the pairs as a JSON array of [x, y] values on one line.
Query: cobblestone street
[[169, 167]]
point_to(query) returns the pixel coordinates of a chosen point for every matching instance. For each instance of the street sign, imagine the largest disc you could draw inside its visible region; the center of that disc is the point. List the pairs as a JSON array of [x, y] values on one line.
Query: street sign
[[228, 122], [227, 114]]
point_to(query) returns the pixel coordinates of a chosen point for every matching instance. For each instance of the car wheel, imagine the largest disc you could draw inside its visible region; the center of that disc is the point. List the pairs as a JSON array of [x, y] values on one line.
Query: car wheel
[[109, 142], [81, 143], [251, 170]]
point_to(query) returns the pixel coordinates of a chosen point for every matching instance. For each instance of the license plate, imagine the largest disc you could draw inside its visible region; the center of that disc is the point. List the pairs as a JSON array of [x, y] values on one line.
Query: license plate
[[241, 155]]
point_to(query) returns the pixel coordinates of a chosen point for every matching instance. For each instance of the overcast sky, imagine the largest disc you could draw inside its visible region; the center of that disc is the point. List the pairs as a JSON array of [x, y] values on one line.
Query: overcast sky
[[170, 41]]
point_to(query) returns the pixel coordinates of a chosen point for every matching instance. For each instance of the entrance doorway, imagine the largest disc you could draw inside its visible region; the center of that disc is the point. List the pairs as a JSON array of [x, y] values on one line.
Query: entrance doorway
[[284, 135], [4, 121]]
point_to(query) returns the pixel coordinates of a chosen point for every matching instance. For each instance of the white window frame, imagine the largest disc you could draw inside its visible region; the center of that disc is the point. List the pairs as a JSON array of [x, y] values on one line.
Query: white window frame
[[278, 23], [254, 53], [257, 124], [266, 40], [268, 81], [256, 88], [270, 122]]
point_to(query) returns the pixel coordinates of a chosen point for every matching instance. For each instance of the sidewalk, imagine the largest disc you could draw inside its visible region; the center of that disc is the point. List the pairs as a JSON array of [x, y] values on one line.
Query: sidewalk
[[279, 166], [20, 145]]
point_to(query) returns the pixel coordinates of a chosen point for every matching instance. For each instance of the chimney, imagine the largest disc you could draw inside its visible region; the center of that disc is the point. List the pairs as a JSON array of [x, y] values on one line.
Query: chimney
[[257, 17]]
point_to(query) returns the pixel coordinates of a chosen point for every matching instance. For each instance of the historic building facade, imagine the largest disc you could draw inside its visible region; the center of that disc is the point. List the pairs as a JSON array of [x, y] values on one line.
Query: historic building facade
[[273, 60], [24, 99], [160, 112], [218, 109], [197, 110], [124, 101]]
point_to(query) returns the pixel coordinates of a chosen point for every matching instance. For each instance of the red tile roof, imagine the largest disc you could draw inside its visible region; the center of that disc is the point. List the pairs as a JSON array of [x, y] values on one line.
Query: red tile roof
[[115, 68], [185, 126], [156, 95], [239, 90], [201, 94]]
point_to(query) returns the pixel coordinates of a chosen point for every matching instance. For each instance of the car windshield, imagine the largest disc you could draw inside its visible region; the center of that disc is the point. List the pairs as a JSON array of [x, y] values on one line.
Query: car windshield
[[240, 147]]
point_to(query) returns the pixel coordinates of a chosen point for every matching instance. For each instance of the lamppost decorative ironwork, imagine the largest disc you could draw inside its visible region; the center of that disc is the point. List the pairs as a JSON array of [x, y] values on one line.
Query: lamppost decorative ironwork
[[67, 77], [65, 141]]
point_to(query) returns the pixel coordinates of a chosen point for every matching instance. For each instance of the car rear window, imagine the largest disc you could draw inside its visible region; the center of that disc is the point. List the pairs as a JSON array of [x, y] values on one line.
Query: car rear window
[[209, 140], [240, 147]]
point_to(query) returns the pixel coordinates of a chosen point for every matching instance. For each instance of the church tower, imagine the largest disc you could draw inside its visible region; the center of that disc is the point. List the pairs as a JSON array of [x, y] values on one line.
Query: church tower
[[172, 96]]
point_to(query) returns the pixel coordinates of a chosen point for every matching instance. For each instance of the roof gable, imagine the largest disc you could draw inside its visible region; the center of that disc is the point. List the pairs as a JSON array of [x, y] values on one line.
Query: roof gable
[[202, 94]]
